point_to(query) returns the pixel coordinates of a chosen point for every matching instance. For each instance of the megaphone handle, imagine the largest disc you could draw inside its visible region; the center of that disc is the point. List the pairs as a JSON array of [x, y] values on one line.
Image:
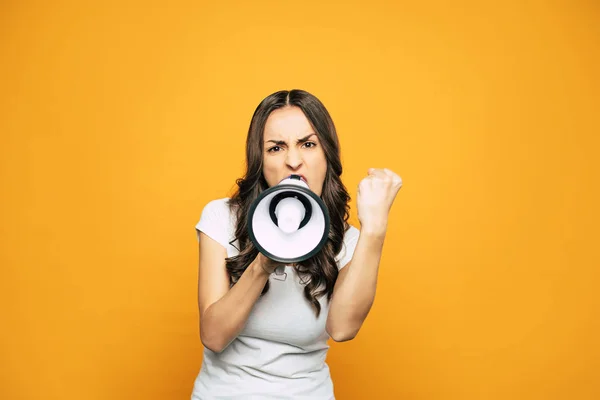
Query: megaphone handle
[[277, 276]]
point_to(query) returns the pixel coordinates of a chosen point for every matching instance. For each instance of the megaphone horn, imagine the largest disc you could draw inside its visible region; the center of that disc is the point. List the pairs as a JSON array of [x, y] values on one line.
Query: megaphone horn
[[288, 222]]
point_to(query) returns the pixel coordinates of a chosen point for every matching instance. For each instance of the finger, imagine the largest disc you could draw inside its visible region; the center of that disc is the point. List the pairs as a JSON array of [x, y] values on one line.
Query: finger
[[392, 174], [375, 170], [396, 179], [379, 173], [399, 180]]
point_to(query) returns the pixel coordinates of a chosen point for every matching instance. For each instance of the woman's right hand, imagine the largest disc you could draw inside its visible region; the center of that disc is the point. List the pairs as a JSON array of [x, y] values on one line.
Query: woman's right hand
[[266, 263]]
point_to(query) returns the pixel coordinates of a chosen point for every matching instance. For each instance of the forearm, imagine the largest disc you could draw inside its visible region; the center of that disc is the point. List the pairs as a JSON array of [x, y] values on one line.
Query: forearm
[[354, 292], [223, 320]]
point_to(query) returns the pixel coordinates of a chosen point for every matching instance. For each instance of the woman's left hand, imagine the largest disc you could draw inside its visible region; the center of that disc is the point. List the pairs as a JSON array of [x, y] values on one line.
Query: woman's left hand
[[376, 194]]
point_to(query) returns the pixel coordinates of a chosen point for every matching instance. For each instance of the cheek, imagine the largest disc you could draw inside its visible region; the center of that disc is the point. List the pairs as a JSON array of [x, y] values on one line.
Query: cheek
[[320, 162], [270, 171], [269, 165]]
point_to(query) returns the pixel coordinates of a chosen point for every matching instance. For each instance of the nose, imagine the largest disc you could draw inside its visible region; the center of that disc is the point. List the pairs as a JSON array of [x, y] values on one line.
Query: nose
[[293, 159]]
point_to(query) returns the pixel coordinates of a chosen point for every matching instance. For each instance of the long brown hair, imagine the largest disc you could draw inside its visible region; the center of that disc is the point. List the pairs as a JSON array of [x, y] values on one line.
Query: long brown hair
[[320, 271]]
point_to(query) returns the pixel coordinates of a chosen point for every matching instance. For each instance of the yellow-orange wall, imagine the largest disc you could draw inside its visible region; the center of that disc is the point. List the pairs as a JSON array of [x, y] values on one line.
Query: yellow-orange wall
[[120, 120]]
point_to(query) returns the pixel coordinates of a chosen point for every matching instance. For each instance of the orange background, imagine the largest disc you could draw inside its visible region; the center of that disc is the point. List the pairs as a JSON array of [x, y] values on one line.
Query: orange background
[[120, 121]]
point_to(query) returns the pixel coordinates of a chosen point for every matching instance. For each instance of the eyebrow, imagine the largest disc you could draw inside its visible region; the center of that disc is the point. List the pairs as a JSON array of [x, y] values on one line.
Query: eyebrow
[[280, 142]]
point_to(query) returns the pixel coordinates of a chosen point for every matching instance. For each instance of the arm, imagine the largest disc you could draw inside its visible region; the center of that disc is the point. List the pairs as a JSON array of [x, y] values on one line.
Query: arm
[[224, 311], [354, 291]]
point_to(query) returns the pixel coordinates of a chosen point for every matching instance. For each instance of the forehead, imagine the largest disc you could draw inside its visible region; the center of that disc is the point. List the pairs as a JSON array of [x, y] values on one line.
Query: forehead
[[287, 122]]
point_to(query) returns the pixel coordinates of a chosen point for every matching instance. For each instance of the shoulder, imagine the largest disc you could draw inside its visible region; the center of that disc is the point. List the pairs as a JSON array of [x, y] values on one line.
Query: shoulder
[[216, 221], [217, 204], [217, 207], [351, 234], [348, 245]]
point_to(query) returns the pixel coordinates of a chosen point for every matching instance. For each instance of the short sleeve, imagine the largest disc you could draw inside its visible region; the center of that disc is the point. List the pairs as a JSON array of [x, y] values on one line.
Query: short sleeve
[[347, 252], [214, 221]]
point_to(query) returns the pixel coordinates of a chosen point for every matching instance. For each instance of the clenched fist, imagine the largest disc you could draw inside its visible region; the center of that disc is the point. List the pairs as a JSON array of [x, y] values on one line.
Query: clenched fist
[[376, 194]]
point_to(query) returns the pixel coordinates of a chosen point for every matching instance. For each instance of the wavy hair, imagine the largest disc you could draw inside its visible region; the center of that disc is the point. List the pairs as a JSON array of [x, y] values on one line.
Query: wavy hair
[[320, 271]]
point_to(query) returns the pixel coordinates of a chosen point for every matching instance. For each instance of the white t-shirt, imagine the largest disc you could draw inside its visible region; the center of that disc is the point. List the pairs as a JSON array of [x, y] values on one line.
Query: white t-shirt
[[280, 353]]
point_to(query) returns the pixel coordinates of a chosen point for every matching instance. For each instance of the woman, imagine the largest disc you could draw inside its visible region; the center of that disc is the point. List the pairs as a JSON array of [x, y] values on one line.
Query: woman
[[264, 331]]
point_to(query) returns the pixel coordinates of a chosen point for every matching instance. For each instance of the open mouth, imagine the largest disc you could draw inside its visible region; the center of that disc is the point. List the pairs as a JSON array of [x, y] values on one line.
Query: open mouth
[[302, 177]]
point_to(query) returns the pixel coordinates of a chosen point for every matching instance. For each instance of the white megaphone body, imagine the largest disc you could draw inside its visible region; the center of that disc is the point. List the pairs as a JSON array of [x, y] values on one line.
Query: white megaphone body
[[288, 222]]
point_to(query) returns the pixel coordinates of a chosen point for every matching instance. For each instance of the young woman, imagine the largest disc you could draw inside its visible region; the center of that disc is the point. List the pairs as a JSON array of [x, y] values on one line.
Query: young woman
[[264, 331]]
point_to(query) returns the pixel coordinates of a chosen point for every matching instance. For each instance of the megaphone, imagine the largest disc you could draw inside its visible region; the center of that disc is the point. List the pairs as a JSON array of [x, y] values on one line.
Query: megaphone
[[288, 222]]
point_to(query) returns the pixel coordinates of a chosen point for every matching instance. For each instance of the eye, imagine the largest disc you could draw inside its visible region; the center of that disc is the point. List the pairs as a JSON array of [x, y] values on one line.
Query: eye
[[273, 148], [313, 144]]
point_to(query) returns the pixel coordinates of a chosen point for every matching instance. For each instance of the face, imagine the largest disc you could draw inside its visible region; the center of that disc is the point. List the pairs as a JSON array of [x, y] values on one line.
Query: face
[[291, 146]]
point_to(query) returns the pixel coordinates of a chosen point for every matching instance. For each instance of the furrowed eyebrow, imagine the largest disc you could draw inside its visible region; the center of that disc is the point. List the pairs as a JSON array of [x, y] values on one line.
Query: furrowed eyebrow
[[281, 142]]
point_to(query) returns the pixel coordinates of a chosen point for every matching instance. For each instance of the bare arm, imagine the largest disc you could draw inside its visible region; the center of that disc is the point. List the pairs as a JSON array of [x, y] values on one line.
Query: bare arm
[[224, 311], [354, 290]]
